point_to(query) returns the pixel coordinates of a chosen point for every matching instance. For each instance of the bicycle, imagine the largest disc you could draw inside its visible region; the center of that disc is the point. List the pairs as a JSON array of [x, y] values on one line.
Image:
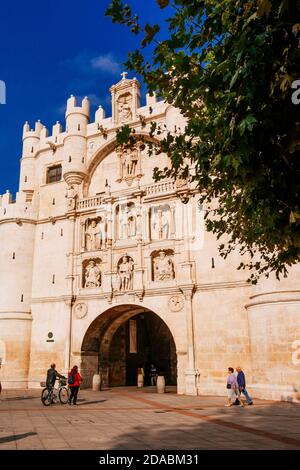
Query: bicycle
[[52, 395]]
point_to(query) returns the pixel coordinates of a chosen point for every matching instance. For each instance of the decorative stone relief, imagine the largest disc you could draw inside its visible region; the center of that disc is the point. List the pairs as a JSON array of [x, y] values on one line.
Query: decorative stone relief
[[125, 273], [92, 274], [80, 310], [163, 267], [176, 303], [125, 100], [124, 108]]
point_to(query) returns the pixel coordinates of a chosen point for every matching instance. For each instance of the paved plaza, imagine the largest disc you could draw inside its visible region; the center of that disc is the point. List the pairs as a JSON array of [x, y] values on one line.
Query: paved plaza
[[133, 419]]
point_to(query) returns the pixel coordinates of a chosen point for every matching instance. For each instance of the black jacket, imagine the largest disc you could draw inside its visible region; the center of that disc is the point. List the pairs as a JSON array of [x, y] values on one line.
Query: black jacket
[[51, 377]]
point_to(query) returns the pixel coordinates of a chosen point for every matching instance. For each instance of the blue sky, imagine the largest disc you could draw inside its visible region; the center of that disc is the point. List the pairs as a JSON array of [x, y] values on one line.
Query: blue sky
[[49, 50]]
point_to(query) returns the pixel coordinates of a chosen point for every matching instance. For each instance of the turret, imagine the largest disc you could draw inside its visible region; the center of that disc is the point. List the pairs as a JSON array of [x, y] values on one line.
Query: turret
[[274, 326], [31, 143], [17, 231], [77, 119]]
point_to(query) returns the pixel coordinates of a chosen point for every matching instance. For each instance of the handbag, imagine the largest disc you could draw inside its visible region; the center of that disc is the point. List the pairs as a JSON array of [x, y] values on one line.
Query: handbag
[[228, 386]]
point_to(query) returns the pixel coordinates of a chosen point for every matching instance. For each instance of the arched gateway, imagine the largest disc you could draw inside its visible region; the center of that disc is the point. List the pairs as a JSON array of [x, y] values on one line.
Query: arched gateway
[[124, 338]]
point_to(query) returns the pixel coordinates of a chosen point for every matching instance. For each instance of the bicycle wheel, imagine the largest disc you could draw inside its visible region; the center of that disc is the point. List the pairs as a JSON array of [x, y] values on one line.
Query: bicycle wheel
[[46, 397], [63, 395]]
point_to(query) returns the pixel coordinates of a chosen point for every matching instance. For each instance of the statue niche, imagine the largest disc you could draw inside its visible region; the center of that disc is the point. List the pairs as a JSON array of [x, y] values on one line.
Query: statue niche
[[126, 221], [93, 235], [125, 273], [92, 275], [129, 163], [162, 265], [160, 222]]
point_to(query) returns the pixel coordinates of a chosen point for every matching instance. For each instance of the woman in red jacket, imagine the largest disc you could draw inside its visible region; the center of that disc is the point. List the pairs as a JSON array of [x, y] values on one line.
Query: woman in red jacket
[[74, 380]]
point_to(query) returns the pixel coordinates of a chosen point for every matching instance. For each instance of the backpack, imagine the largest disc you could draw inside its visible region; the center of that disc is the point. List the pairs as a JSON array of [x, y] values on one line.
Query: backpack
[[71, 379]]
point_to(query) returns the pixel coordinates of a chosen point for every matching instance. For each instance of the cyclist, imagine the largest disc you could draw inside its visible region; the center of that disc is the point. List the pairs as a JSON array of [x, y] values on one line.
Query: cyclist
[[52, 374]]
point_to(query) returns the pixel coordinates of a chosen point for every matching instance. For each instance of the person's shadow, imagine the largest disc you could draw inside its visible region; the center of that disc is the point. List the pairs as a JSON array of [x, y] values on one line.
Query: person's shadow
[[16, 437]]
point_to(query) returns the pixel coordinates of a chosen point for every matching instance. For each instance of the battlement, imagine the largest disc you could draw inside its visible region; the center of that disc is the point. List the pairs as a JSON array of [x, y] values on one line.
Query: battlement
[[22, 207], [73, 108], [32, 133]]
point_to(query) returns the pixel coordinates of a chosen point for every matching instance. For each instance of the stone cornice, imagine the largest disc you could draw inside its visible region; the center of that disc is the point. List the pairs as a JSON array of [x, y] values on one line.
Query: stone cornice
[[18, 221], [162, 291]]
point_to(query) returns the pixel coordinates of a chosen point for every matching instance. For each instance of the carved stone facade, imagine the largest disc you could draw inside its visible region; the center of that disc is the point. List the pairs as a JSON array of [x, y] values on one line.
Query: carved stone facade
[[84, 255]]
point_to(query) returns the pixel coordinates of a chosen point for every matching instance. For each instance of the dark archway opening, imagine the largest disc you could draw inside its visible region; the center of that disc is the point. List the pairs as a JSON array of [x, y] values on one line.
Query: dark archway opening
[[138, 342], [124, 339]]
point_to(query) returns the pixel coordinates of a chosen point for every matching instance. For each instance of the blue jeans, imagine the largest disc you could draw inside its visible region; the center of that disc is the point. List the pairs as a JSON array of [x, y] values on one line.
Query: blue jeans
[[244, 392]]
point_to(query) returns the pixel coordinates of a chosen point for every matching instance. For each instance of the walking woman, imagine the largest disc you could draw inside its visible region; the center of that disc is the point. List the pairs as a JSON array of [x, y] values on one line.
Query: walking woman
[[74, 381], [232, 388]]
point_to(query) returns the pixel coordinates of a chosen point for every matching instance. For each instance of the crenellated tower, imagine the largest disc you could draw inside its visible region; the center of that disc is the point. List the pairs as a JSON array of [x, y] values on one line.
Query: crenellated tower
[[75, 145]]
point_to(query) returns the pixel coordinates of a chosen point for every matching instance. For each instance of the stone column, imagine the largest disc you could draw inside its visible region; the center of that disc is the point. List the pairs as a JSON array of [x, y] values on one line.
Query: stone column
[[107, 278], [191, 373], [139, 271], [70, 289], [82, 234], [146, 227], [172, 222]]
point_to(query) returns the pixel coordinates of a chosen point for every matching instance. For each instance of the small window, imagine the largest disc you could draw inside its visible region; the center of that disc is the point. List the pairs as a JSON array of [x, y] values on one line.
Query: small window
[[54, 174]]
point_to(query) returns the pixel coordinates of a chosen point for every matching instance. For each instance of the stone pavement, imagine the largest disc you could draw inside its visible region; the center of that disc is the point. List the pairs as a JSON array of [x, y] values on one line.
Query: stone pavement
[[130, 418]]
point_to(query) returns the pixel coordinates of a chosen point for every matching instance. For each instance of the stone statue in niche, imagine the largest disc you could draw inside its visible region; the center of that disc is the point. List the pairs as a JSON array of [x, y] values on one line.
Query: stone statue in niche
[[125, 273], [92, 275], [124, 223], [130, 160], [124, 108], [127, 223], [163, 267], [161, 226], [131, 223], [93, 236]]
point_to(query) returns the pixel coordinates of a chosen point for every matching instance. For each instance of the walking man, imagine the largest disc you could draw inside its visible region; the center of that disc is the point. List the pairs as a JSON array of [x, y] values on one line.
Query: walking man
[[51, 376], [241, 380]]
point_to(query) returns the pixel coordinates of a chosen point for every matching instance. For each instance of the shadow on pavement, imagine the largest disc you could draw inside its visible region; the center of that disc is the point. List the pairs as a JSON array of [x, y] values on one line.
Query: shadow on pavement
[[19, 398], [267, 428], [16, 437], [89, 402]]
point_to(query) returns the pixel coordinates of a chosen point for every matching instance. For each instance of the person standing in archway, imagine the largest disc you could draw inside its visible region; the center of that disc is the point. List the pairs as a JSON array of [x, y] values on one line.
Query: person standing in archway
[[153, 374], [74, 381]]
